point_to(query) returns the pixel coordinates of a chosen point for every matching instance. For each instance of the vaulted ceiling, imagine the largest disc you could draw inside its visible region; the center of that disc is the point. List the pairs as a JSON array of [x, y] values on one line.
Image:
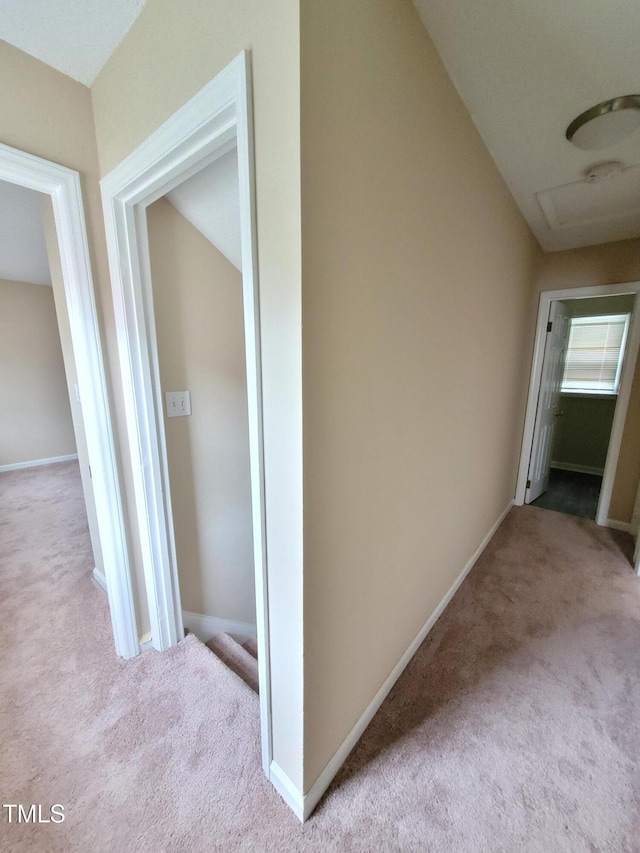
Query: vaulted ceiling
[[210, 200], [524, 68], [76, 37]]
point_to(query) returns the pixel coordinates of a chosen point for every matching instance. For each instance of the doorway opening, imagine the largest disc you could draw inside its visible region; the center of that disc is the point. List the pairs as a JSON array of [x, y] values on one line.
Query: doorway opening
[[42, 422], [584, 363], [215, 121], [195, 258], [590, 336], [67, 239]]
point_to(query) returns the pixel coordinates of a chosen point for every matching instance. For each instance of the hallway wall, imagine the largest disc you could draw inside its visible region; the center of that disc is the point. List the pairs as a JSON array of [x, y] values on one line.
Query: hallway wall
[[417, 280], [36, 417], [197, 296]]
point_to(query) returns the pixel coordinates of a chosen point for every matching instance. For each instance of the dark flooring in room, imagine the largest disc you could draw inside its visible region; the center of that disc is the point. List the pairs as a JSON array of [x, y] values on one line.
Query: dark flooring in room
[[571, 492]]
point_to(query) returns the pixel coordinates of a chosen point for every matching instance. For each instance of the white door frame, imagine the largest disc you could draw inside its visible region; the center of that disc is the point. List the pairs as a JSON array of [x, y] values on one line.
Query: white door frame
[[62, 185], [622, 403], [635, 531], [195, 136]]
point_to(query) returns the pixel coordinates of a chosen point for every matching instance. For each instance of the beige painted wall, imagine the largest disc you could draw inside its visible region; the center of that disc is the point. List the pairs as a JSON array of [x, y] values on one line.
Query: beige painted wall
[[48, 114], [197, 297], [417, 280], [36, 419], [172, 50], [612, 263]]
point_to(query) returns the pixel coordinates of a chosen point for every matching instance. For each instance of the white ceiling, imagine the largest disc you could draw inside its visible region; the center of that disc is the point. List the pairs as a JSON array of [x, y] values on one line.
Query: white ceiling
[[210, 201], [74, 36], [23, 251], [525, 69]]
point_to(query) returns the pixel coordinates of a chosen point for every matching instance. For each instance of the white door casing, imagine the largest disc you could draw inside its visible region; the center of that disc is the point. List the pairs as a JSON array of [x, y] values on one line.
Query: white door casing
[[205, 128], [635, 531], [624, 391], [548, 401], [62, 185]]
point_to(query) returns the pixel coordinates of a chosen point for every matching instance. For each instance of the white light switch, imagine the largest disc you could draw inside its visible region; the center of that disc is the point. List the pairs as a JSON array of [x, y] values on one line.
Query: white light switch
[[178, 404]]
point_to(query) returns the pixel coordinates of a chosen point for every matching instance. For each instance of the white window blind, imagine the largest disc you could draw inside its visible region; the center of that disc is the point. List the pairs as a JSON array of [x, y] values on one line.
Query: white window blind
[[594, 354]]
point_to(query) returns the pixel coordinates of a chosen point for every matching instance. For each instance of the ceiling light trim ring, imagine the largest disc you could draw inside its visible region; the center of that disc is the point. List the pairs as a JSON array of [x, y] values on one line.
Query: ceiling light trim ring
[[624, 102]]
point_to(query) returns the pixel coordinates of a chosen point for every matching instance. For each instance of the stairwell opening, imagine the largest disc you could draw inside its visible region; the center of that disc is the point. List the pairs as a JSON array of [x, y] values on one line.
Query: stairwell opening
[[196, 270]]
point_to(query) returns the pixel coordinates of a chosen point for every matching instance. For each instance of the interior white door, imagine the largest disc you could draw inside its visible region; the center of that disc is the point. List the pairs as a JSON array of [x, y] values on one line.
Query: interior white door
[[548, 410]]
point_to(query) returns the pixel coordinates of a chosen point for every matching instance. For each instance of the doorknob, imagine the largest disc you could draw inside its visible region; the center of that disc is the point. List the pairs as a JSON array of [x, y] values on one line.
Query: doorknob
[[559, 414]]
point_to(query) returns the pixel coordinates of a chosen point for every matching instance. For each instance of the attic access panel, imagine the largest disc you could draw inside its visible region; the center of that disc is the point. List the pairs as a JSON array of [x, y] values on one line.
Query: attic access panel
[[615, 200]]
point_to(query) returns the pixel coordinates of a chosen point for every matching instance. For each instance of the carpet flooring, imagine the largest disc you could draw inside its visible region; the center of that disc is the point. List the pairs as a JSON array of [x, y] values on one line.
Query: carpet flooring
[[239, 658], [514, 728]]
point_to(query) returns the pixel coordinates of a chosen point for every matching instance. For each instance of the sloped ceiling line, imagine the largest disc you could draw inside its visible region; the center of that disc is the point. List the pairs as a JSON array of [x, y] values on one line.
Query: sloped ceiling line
[[210, 201], [23, 249], [525, 70]]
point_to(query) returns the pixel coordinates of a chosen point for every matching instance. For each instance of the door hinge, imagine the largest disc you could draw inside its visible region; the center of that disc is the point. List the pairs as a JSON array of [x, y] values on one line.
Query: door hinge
[[90, 474], [528, 484], [549, 326]]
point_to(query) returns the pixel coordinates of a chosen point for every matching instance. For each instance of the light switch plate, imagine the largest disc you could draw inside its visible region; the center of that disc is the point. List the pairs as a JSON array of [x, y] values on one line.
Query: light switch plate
[[178, 403]]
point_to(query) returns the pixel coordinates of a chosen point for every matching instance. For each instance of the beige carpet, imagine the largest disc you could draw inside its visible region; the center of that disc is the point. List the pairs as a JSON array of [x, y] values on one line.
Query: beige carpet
[[515, 727], [237, 657]]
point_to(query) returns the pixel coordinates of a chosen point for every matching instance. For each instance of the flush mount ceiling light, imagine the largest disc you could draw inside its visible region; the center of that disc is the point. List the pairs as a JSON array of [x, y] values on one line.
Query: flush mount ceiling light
[[606, 123]]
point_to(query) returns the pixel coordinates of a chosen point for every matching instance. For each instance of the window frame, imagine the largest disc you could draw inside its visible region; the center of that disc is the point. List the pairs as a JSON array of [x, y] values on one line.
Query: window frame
[[595, 392]]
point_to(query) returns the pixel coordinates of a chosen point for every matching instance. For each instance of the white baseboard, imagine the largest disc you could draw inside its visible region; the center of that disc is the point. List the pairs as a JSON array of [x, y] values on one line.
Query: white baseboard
[[146, 643], [580, 469], [287, 790], [34, 463], [99, 578], [311, 799], [206, 627], [625, 526]]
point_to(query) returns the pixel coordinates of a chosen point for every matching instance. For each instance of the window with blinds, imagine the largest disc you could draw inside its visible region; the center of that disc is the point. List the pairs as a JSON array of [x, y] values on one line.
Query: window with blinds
[[594, 354]]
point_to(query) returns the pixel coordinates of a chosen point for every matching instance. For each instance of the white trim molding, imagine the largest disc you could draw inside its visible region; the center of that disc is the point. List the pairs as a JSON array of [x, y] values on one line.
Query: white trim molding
[[624, 526], [626, 379], [205, 627], [205, 128], [579, 469], [145, 642], [99, 578], [62, 185], [312, 798], [35, 463], [288, 791], [635, 517]]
